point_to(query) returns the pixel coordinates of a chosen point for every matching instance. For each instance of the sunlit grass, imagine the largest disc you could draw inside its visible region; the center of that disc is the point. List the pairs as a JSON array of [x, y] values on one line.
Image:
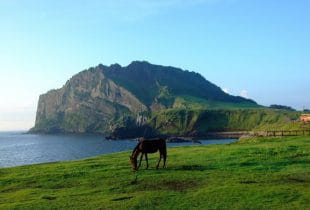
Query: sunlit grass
[[271, 173]]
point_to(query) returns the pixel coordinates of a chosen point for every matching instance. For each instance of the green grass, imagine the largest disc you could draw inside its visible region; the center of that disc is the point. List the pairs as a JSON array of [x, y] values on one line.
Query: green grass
[[190, 102], [265, 173]]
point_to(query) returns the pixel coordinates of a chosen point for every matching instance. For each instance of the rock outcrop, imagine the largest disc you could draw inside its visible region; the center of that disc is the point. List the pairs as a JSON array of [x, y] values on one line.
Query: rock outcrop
[[86, 103]]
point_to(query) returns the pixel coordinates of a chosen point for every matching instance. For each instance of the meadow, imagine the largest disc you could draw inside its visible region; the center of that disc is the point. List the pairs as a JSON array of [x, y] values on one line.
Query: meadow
[[253, 173]]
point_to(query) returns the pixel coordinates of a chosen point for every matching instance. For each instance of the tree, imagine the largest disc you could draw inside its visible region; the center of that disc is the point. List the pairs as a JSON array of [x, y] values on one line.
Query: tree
[[276, 106]]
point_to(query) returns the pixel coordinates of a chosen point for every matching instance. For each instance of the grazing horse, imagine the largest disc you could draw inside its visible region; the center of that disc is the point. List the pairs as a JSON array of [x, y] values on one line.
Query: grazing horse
[[148, 146]]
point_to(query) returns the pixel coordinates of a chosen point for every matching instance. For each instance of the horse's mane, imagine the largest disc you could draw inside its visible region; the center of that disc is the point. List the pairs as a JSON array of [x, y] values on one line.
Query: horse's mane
[[135, 149]]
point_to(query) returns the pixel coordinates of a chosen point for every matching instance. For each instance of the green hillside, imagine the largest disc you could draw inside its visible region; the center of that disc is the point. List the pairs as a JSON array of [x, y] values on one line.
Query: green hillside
[[190, 102], [267, 173], [147, 81], [201, 121], [189, 118]]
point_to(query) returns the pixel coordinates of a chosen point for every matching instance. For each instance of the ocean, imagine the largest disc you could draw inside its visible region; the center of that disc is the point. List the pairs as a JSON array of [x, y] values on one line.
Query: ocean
[[18, 148]]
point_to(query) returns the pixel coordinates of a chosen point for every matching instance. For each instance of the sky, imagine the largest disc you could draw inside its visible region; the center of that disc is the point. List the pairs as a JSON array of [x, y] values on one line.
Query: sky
[[258, 49]]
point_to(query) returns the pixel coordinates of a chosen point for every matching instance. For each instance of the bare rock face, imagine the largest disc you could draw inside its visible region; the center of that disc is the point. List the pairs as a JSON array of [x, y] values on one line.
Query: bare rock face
[[88, 102]]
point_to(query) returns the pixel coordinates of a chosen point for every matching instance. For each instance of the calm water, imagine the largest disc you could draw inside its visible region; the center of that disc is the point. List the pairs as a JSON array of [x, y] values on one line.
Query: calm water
[[23, 149]]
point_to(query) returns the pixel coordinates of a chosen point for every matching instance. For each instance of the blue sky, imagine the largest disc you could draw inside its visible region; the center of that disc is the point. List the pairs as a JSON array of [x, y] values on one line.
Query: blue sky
[[256, 48]]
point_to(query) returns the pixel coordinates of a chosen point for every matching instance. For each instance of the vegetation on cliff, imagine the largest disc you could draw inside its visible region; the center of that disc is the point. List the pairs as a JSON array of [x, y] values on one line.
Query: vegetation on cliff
[[258, 173], [201, 121], [151, 83]]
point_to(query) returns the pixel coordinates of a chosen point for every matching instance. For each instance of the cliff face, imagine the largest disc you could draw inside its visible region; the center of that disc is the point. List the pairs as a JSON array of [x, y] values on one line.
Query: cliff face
[[100, 98], [88, 102]]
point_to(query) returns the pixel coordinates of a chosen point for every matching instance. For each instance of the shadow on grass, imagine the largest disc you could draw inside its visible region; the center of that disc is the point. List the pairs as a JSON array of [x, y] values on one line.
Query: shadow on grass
[[278, 165], [192, 168], [174, 185], [48, 197], [294, 178], [122, 198], [247, 182]]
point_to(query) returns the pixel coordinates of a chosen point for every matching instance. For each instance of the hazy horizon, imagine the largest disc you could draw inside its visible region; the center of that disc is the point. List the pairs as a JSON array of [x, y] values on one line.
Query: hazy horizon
[[256, 49]]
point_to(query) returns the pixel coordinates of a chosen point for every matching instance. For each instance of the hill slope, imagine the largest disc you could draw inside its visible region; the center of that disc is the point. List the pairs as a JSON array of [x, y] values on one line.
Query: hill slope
[[153, 82], [95, 99]]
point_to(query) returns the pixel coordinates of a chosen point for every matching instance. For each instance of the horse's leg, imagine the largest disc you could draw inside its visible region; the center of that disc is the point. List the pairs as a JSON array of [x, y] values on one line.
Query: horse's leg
[[147, 161], [164, 157], [158, 160], [140, 160], [164, 153]]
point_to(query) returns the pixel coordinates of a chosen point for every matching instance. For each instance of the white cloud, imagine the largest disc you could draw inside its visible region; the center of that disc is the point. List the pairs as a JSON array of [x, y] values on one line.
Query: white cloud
[[226, 90], [244, 94]]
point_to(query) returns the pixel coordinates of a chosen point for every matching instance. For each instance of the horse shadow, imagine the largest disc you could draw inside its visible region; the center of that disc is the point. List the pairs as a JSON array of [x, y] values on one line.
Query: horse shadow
[[191, 168]]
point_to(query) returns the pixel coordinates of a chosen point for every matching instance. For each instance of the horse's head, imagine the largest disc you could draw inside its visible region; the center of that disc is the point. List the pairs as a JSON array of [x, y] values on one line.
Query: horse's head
[[133, 162]]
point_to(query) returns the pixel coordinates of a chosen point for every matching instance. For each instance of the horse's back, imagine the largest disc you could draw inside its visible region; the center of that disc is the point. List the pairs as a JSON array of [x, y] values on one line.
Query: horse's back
[[154, 142], [152, 145]]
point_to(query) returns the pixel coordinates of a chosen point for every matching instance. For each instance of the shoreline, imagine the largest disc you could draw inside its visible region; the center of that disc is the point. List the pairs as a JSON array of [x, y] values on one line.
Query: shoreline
[[210, 135]]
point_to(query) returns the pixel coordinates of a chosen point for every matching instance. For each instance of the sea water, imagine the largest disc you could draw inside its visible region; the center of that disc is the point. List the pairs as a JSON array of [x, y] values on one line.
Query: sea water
[[17, 148]]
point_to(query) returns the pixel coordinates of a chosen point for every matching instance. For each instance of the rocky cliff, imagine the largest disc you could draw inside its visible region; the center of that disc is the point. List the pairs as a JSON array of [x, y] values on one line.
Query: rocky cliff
[[88, 102], [108, 98]]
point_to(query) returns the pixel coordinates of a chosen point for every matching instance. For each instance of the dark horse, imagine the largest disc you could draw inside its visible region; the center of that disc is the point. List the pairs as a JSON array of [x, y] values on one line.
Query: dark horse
[[148, 146]]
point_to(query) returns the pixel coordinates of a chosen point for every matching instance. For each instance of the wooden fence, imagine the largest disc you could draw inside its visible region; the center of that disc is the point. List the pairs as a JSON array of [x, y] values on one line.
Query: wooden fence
[[238, 134]]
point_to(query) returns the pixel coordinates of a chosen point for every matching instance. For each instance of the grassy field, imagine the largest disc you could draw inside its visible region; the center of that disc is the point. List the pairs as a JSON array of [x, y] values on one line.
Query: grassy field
[[266, 173]]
